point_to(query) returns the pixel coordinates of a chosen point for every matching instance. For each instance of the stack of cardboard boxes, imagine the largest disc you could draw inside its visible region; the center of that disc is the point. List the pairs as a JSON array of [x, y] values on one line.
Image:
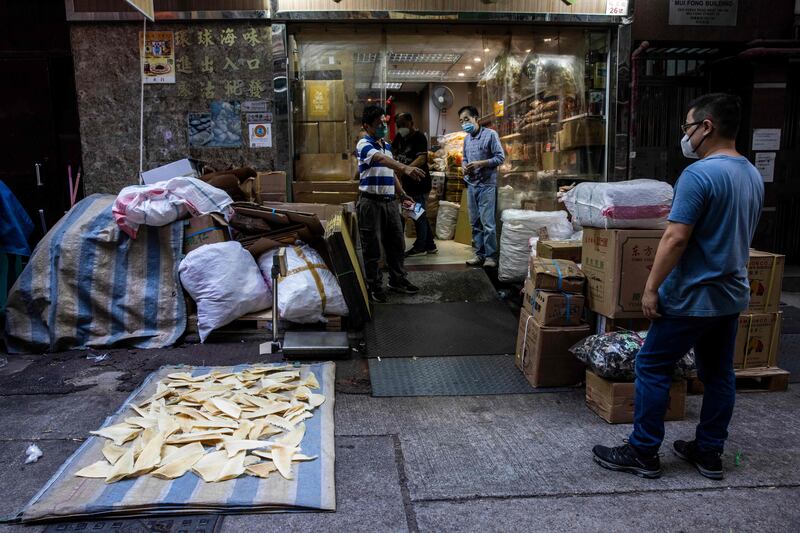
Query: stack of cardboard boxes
[[550, 324]]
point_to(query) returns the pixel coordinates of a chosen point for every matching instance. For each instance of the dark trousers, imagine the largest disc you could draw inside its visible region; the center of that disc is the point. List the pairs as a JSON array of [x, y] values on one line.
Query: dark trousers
[[423, 226], [380, 224], [669, 339]]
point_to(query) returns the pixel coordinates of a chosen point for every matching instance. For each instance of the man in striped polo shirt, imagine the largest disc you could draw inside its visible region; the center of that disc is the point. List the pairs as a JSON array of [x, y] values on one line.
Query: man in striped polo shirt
[[378, 211]]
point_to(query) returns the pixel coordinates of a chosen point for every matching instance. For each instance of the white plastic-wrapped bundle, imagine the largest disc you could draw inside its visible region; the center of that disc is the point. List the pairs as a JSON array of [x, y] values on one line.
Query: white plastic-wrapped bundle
[[446, 220], [309, 291], [519, 226], [642, 204]]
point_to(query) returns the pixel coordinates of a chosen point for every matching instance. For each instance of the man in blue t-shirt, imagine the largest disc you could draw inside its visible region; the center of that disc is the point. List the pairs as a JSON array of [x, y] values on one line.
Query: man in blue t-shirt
[[696, 289]]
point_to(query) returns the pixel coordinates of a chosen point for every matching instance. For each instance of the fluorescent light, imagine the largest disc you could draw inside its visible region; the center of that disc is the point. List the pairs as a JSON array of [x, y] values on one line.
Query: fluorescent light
[[467, 67], [460, 74], [406, 74], [486, 50], [433, 57], [391, 85], [477, 59], [547, 39], [528, 51]]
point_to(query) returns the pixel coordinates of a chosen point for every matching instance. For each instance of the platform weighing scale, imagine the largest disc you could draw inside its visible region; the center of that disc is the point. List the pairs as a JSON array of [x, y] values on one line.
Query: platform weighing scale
[[314, 344]]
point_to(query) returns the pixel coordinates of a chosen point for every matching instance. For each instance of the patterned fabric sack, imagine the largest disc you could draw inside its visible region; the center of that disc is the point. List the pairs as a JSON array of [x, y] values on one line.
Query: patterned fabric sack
[[613, 355]]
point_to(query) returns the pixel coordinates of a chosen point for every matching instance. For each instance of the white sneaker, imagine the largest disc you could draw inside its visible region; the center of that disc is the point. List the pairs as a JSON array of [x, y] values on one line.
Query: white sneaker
[[475, 261], [489, 263]]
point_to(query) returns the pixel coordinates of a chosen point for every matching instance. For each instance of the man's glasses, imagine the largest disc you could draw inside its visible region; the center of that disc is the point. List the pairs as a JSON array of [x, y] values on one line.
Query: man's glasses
[[685, 127]]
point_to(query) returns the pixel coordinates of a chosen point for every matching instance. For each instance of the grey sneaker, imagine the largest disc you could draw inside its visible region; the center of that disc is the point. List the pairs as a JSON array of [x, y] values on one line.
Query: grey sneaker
[[489, 263], [475, 261]]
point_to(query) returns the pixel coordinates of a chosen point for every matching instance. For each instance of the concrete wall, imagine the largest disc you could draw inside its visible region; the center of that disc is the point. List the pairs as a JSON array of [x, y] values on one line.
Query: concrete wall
[[107, 79]]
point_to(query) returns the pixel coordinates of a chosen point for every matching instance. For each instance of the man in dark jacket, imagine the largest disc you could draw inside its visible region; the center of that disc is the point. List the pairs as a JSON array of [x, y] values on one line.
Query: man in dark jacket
[[410, 147]]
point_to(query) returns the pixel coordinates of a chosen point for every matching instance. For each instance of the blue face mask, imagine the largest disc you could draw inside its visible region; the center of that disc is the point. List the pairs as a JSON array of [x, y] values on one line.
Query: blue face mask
[[381, 131], [469, 127]]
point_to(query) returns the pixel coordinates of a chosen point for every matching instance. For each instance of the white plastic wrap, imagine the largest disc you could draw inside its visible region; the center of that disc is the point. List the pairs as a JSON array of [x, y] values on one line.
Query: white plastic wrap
[[446, 220], [519, 226], [309, 291], [224, 280], [642, 204], [167, 201]]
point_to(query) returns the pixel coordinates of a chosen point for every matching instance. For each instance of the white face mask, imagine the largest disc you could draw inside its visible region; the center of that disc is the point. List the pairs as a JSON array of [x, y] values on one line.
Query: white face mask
[[403, 132], [686, 148]]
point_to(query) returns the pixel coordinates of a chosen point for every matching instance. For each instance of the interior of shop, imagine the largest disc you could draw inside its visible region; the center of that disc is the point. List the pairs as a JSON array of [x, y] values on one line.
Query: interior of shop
[[542, 88]]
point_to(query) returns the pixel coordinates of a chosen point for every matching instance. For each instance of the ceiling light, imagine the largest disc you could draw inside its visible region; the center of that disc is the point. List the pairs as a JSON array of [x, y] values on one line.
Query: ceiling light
[[486, 50], [414, 57], [467, 67], [460, 74], [527, 50], [547, 39], [405, 74], [391, 85], [477, 59]]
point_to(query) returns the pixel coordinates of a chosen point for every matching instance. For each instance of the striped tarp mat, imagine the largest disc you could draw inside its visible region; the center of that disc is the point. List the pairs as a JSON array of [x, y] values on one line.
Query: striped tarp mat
[[66, 496]]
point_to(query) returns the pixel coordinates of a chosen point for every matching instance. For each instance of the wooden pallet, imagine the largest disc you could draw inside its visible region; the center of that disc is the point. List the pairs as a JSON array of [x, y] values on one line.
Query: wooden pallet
[[772, 379], [262, 321]]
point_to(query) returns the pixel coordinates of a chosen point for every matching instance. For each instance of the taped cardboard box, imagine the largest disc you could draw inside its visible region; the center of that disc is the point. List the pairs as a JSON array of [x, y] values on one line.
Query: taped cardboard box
[[205, 229], [271, 182], [333, 198], [603, 324], [614, 401], [765, 272], [543, 355], [616, 263], [758, 341], [553, 308], [325, 186], [556, 275], [568, 250], [578, 132]]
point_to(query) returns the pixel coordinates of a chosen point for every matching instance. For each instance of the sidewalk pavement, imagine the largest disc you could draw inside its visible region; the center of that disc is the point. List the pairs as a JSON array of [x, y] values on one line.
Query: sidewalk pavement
[[490, 463]]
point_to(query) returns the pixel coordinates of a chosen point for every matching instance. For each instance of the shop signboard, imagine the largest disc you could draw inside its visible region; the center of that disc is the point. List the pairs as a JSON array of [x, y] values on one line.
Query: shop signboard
[[703, 12], [573, 7], [145, 7]]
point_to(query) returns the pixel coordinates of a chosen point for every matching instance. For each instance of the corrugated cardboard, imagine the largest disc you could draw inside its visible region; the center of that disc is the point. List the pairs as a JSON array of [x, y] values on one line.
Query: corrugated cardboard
[[322, 211], [271, 182], [320, 197], [568, 250], [205, 229], [765, 272], [617, 263], [586, 131], [323, 100], [556, 275], [333, 137], [325, 167], [307, 138], [325, 186], [543, 355], [555, 308], [463, 233], [604, 324], [758, 341], [614, 401]]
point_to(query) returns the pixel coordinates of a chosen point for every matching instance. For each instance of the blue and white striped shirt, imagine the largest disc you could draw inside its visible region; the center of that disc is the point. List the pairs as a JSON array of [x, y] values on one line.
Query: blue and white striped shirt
[[375, 177]]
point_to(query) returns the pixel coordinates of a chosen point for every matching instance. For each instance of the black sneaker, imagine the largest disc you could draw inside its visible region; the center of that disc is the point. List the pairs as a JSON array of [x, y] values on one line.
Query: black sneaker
[[403, 286], [377, 296], [432, 251], [709, 464], [414, 251], [625, 458]]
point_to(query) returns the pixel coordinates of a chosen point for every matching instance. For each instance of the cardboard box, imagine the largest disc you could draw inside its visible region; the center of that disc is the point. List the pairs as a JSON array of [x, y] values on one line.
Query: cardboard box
[[543, 354], [758, 341], [271, 182], [325, 167], [616, 263], [323, 212], [320, 197], [323, 100], [567, 250], [614, 401], [463, 233], [765, 272], [554, 308], [603, 324], [333, 137], [180, 168], [556, 275], [584, 131], [269, 197], [205, 229]]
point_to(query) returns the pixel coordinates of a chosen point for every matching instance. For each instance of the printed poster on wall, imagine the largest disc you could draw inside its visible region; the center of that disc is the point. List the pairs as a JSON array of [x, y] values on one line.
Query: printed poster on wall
[[159, 57], [703, 12], [260, 135], [765, 163], [318, 95]]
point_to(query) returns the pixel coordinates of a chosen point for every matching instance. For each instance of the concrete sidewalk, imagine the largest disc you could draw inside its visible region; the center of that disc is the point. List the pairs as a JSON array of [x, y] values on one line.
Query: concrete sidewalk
[[490, 463]]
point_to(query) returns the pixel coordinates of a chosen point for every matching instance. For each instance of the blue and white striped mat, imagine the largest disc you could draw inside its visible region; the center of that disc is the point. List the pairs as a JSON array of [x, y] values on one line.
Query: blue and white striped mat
[[66, 496]]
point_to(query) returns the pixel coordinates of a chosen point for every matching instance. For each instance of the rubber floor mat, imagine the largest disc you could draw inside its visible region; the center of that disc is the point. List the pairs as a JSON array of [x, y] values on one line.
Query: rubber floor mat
[[449, 376], [467, 285], [430, 330]]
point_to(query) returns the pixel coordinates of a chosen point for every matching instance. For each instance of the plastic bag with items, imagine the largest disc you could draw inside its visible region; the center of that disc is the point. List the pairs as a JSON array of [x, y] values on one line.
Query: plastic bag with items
[[309, 291], [446, 220], [613, 355], [519, 226], [224, 280], [642, 204]]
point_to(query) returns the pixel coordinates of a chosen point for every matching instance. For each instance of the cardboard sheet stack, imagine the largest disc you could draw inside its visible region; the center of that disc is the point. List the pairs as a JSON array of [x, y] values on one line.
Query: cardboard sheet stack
[[550, 323]]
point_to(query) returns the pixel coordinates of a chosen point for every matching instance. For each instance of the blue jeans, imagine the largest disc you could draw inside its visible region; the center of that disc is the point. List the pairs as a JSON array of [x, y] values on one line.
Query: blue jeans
[[669, 339], [482, 203], [423, 226]]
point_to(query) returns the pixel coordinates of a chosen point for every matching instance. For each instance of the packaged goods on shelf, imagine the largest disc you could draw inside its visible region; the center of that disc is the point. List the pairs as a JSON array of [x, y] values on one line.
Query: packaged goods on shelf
[[518, 228], [639, 204]]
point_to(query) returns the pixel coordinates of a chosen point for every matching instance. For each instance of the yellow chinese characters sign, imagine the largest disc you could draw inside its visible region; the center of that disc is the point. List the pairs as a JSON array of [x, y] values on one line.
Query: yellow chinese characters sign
[[318, 99]]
